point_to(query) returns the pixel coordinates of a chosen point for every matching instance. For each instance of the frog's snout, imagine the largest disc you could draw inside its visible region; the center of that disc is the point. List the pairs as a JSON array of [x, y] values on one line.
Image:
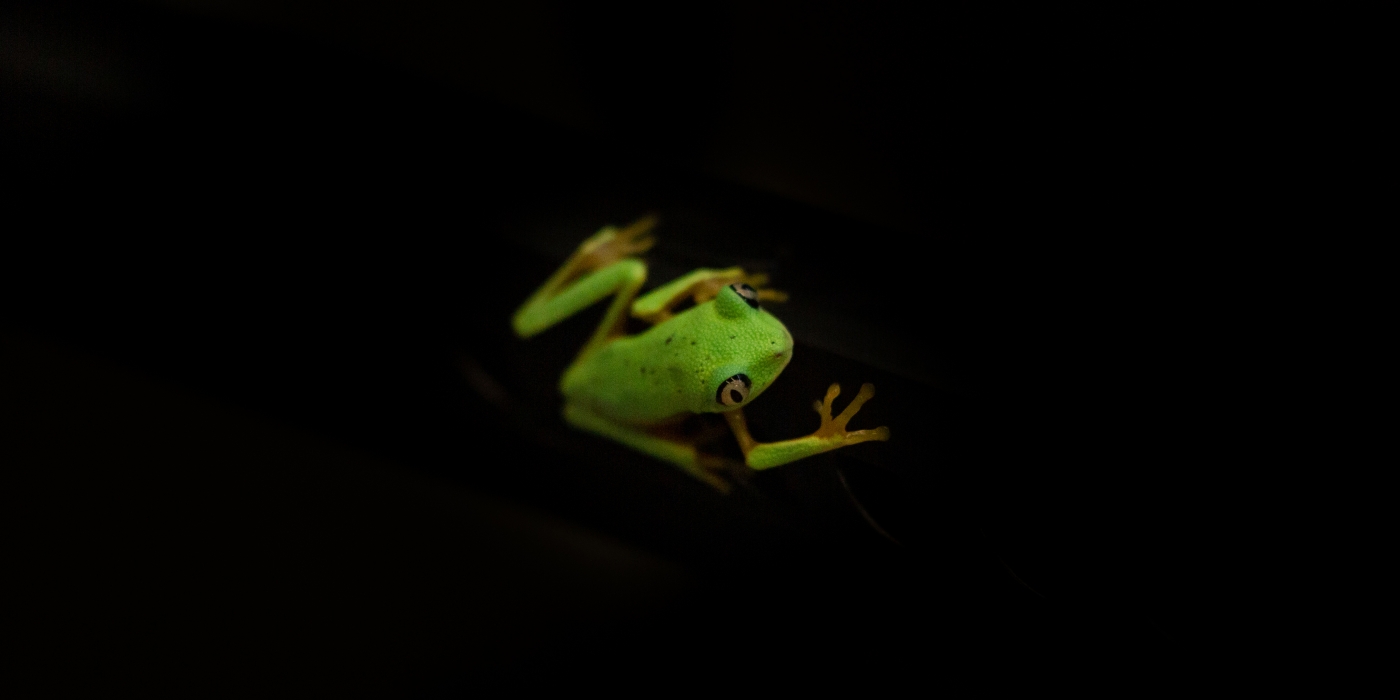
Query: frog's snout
[[784, 346]]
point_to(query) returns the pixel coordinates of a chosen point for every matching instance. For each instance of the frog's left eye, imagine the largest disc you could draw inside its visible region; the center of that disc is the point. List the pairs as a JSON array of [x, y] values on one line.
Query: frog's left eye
[[734, 390], [749, 294]]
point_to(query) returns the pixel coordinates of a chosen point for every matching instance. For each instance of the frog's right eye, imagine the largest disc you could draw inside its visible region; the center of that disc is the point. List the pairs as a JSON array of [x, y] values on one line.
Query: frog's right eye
[[734, 390]]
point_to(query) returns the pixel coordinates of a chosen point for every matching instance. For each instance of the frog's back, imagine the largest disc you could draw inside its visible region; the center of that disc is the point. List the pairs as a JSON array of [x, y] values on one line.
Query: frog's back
[[646, 378]]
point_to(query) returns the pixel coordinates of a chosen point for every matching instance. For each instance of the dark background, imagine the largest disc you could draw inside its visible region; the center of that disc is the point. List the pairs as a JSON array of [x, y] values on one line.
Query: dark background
[[268, 420]]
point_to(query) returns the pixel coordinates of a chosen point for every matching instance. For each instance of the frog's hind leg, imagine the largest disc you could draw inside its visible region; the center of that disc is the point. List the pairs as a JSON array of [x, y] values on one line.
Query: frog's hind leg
[[609, 245], [622, 278], [599, 268], [706, 468]]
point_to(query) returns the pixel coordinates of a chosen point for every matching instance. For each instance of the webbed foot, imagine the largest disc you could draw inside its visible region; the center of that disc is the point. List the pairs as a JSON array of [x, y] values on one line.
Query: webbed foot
[[759, 282], [612, 244], [835, 428]]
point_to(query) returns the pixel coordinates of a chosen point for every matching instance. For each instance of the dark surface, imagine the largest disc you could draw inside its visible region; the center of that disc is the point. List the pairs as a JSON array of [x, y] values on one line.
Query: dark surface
[[318, 250]]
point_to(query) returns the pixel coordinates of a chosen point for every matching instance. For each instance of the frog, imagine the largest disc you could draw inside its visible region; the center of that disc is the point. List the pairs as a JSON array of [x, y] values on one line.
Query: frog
[[716, 355]]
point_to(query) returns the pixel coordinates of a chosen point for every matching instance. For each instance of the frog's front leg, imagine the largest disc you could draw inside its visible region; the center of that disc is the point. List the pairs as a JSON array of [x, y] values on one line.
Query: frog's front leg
[[700, 286], [685, 455], [830, 435]]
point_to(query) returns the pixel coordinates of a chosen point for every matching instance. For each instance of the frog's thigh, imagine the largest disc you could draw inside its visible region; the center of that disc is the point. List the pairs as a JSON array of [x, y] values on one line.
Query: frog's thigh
[[680, 454], [622, 277]]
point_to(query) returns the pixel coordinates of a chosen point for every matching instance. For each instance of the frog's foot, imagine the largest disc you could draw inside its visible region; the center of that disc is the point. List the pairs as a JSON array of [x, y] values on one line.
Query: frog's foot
[[612, 244], [835, 428], [772, 295], [759, 283]]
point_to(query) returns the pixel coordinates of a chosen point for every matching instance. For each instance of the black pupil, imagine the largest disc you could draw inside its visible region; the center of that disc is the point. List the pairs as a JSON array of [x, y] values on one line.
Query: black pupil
[[735, 396]]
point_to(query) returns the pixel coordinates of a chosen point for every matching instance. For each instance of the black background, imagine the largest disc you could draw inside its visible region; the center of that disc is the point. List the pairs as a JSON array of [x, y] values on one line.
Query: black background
[[270, 423]]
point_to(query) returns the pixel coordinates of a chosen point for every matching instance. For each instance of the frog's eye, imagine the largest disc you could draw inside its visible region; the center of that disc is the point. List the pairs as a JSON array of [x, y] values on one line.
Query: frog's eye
[[749, 294], [734, 390]]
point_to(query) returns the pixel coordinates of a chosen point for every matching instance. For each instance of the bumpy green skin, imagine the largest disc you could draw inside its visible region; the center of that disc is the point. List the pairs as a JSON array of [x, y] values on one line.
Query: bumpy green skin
[[677, 366]]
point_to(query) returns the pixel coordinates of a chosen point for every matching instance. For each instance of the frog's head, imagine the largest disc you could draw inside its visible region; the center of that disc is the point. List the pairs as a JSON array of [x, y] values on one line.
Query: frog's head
[[756, 347]]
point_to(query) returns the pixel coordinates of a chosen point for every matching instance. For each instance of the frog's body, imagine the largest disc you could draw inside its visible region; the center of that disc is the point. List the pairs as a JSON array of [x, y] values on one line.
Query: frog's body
[[674, 367], [714, 357]]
